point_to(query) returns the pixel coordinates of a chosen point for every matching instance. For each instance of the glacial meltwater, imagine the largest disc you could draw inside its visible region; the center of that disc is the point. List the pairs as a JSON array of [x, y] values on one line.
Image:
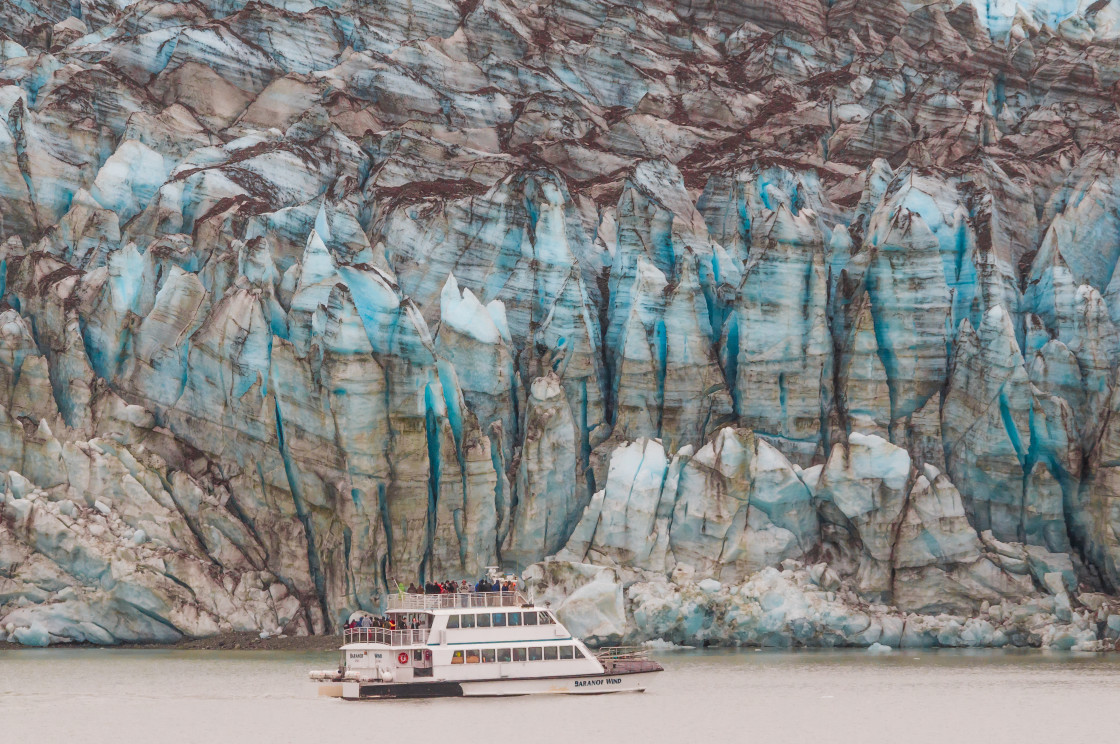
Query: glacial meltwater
[[87, 696]]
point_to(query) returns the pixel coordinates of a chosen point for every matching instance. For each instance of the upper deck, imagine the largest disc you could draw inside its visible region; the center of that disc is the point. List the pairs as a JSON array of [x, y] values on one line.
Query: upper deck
[[458, 600]]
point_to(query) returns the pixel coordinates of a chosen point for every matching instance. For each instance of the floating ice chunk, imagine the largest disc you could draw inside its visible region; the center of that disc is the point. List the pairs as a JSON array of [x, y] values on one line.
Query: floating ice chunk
[[140, 537], [102, 507], [879, 648], [660, 644]]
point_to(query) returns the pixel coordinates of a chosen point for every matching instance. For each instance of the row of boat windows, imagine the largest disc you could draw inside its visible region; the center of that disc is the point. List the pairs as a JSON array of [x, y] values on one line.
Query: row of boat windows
[[505, 655], [499, 619]]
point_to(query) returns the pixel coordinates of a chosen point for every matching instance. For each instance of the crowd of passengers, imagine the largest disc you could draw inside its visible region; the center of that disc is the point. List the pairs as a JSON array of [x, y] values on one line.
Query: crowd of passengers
[[450, 587], [390, 622]]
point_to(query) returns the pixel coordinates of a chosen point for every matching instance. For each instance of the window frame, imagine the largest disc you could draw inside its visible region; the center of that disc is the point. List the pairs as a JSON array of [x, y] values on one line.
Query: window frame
[[570, 650], [478, 620], [523, 653], [555, 653]]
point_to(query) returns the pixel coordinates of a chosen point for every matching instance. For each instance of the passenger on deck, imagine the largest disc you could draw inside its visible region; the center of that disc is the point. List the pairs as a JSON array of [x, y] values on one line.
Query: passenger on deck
[[412, 589]]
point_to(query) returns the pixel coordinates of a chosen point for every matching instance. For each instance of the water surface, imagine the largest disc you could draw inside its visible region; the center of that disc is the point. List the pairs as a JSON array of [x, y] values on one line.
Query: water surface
[[91, 696]]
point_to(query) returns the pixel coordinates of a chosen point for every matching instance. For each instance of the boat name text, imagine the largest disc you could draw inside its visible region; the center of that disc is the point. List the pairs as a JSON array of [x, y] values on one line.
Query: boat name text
[[597, 682]]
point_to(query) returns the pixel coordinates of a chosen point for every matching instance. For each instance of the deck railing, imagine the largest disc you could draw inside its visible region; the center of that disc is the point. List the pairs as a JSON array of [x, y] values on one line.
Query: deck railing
[[626, 660], [453, 601], [386, 636], [620, 653]]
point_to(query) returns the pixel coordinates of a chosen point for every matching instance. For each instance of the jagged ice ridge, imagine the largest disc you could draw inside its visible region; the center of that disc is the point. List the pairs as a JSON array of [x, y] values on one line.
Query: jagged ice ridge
[[774, 322]]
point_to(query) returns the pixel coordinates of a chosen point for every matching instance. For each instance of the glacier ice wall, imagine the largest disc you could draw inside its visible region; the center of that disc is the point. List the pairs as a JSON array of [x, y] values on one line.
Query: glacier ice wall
[[302, 299]]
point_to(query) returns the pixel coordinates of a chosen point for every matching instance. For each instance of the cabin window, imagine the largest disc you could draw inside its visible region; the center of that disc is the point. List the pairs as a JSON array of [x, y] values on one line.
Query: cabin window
[[487, 656], [550, 653], [482, 620], [530, 618], [519, 654], [582, 654], [535, 653], [457, 657], [452, 621], [503, 655], [466, 621], [472, 656], [545, 618], [499, 619], [514, 619], [567, 652], [418, 655]]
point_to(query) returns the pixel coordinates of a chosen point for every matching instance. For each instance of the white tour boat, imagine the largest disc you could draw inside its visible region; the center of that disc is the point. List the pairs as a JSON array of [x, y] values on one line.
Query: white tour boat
[[476, 644]]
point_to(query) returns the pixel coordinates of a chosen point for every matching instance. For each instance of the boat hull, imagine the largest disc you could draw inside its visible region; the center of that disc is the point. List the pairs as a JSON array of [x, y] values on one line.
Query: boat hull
[[599, 684]]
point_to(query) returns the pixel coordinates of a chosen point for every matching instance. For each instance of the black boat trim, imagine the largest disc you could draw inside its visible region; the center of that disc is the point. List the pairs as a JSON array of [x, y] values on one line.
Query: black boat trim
[[411, 690]]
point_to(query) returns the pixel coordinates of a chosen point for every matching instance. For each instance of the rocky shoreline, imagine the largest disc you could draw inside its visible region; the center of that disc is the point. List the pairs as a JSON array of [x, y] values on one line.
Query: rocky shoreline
[[221, 642]]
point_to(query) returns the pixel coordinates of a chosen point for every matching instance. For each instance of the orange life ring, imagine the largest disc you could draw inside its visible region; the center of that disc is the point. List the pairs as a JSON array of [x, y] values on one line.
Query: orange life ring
[[402, 657]]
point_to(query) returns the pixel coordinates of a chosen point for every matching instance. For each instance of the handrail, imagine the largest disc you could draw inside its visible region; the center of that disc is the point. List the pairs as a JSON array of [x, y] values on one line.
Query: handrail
[[454, 600], [626, 660], [621, 653], [385, 635]]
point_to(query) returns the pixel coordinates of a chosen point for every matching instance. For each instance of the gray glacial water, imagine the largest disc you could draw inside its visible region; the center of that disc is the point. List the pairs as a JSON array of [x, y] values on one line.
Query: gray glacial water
[[85, 696]]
